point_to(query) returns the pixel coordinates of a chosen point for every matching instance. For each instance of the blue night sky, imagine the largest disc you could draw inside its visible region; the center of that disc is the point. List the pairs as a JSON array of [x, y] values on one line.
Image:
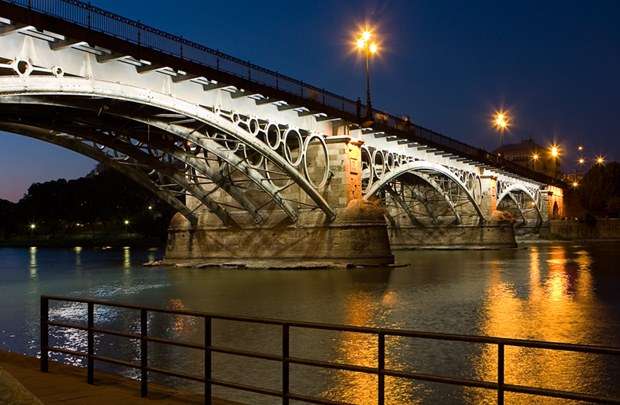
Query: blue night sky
[[554, 64]]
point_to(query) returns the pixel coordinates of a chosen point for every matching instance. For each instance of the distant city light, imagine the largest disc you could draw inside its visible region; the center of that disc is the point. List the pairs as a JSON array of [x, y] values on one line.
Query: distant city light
[[126, 222], [580, 148], [575, 184], [581, 161], [150, 207], [33, 226], [501, 120], [535, 156], [600, 160]]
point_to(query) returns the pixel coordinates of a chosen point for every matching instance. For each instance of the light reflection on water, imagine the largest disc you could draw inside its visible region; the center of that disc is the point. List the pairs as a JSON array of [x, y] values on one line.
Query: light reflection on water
[[556, 292]]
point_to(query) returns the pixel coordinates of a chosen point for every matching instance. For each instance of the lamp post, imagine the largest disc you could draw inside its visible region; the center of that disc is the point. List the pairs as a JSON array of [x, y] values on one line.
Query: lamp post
[[365, 43]]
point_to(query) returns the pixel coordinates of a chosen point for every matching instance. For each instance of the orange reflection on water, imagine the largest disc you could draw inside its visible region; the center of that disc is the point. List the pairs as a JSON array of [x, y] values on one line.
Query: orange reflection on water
[[556, 309], [181, 324], [359, 349]]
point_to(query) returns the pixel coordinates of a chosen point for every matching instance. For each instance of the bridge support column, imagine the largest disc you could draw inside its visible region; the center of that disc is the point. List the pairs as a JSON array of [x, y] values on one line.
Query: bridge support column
[[489, 196], [358, 235]]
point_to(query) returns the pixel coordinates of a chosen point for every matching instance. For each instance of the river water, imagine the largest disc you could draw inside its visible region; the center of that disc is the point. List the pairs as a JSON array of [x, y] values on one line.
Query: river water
[[559, 292]]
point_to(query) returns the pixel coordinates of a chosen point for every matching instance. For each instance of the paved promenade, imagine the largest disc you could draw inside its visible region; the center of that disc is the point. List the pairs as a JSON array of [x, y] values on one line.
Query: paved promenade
[[67, 385]]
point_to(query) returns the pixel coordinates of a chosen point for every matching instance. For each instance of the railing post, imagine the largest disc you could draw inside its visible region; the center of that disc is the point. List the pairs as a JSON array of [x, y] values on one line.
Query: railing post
[[144, 355], [91, 344], [44, 334], [285, 364], [207, 360], [381, 368], [500, 374]]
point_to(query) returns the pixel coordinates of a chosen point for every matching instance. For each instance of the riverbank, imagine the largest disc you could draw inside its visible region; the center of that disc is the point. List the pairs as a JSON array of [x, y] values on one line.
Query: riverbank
[[65, 384], [598, 229]]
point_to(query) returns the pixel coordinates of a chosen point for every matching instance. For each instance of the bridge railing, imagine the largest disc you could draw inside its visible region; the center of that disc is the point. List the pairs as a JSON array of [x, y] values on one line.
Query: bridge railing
[[286, 359], [135, 32]]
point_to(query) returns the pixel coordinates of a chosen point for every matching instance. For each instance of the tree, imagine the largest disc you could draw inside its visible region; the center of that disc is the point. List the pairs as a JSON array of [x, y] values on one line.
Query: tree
[[599, 192]]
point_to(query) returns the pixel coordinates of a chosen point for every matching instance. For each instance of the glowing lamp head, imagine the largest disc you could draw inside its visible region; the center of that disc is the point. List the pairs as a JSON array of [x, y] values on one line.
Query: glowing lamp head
[[554, 151], [366, 34], [126, 222], [575, 184], [600, 160], [373, 48], [580, 148], [32, 226], [501, 120], [535, 157], [360, 43], [581, 161]]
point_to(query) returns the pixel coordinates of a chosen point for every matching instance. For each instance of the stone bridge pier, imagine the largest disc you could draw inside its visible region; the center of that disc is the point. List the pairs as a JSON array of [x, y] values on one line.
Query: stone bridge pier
[[356, 235]]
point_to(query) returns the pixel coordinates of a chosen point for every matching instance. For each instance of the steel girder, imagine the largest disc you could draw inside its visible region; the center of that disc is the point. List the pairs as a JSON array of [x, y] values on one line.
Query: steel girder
[[94, 153]]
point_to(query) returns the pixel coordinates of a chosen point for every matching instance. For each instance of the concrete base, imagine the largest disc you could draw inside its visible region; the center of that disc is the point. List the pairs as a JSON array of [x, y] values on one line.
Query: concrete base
[[357, 237], [453, 237]]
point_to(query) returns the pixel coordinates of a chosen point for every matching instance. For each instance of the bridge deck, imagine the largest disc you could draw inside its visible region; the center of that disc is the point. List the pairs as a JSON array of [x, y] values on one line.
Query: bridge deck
[[67, 385], [78, 20]]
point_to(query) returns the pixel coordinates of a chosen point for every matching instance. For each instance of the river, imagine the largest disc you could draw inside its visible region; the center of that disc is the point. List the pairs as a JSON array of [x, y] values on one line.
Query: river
[[565, 292]]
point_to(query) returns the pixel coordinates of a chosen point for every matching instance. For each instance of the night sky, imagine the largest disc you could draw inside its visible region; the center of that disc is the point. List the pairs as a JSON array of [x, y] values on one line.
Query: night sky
[[448, 65]]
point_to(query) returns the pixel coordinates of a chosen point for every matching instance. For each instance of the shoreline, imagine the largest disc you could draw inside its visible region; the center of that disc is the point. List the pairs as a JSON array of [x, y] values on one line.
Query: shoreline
[[65, 383]]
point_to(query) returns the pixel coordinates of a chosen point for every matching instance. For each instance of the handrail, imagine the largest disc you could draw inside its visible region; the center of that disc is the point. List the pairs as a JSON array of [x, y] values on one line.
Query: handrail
[[113, 25], [286, 359]]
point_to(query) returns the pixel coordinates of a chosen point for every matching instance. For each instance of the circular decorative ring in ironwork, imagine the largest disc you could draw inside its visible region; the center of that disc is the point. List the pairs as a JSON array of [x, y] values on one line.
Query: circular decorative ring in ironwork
[[390, 160], [58, 71], [272, 136], [292, 134], [323, 144], [22, 67], [253, 126], [378, 154], [367, 167]]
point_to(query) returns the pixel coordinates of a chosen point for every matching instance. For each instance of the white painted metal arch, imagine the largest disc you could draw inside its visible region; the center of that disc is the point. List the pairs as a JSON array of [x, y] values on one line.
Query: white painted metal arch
[[65, 86], [416, 167]]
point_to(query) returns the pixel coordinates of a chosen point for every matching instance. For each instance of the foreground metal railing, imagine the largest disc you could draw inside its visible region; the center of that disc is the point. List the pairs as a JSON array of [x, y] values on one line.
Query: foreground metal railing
[[98, 20], [285, 358]]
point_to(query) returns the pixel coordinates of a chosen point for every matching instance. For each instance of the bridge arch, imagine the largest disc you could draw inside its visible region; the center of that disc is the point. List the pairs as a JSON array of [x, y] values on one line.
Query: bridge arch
[[510, 191], [421, 169], [64, 91]]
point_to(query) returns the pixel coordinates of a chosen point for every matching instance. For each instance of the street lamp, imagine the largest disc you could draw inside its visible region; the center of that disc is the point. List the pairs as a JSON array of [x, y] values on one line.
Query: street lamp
[[366, 43], [600, 160], [575, 184], [535, 157], [554, 152], [501, 121]]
